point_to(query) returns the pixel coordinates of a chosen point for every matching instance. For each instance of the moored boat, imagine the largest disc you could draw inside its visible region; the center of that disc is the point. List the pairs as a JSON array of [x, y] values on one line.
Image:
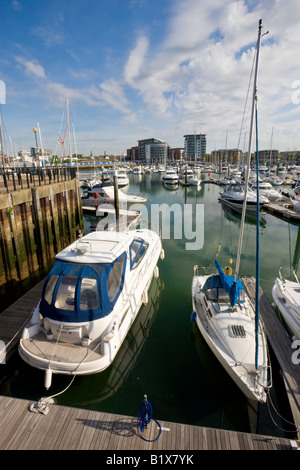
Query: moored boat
[[234, 196], [286, 295], [226, 320], [170, 177], [90, 299]]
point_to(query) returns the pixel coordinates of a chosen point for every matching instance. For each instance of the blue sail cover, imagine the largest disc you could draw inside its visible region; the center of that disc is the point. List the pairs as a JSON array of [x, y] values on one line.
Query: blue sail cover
[[232, 288]]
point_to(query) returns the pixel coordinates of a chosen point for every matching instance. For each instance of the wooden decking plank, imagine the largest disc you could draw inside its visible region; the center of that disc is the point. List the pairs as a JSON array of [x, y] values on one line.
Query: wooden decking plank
[[71, 428]]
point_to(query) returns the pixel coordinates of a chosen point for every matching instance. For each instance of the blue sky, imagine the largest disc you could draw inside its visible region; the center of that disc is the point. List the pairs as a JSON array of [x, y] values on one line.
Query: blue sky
[[136, 69]]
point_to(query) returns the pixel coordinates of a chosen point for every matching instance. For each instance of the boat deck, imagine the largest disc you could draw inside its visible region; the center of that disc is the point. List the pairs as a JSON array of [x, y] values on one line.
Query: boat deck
[[65, 428], [59, 351]]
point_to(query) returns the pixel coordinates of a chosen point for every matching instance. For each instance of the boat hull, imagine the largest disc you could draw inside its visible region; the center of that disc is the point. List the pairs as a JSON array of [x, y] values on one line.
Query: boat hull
[[287, 299], [90, 347], [216, 329]]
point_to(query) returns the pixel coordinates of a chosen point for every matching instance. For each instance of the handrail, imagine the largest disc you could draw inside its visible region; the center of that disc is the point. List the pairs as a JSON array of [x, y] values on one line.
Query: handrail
[[13, 179]]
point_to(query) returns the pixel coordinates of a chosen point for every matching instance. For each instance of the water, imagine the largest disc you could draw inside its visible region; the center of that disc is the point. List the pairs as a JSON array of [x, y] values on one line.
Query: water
[[164, 355]]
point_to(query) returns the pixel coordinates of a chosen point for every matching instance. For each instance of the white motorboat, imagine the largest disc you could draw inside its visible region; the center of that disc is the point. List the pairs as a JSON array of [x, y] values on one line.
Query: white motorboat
[[106, 195], [137, 170], [286, 295], [276, 181], [193, 181], [234, 196], [123, 179], [186, 173], [296, 203], [90, 300], [226, 320], [170, 177], [267, 190], [226, 180]]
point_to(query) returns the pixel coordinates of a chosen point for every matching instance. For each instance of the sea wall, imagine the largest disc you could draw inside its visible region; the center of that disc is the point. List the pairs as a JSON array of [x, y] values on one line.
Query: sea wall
[[36, 223]]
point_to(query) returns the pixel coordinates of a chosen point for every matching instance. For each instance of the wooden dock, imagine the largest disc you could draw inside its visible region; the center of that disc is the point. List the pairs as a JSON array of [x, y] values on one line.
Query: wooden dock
[[65, 428], [72, 428], [13, 319], [281, 345], [284, 210]]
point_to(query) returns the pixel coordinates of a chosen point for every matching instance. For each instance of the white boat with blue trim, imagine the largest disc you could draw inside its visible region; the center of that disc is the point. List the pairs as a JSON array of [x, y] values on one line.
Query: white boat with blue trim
[[90, 300], [224, 314], [226, 319]]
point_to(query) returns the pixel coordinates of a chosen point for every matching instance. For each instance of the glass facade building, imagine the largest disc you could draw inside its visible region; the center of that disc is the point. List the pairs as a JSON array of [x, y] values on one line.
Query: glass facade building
[[195, 147], [153, 150]]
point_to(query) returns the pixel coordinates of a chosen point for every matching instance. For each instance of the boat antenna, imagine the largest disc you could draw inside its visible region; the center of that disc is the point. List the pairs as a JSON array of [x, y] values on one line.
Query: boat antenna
[[249, 154]]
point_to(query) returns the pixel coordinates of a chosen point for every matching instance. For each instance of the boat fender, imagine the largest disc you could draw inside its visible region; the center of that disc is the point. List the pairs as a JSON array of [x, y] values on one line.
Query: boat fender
[[193, 316], [228, 270], [162, 254], [48, 378], [156, 272], [145, 297]]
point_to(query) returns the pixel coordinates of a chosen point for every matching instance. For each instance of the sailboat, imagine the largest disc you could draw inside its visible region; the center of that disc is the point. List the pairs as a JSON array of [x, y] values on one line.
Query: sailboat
[[224, 313], [286, 295]]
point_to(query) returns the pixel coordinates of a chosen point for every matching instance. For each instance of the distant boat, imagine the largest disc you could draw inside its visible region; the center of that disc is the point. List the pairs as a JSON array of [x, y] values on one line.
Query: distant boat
[[234, 196], [267, 190], [170, 177], [286, 295], [123, 179], [106, 195], [90, 300]]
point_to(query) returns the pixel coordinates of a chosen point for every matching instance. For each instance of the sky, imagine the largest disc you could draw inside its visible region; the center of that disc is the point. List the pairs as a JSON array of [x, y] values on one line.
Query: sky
[[138, 69]]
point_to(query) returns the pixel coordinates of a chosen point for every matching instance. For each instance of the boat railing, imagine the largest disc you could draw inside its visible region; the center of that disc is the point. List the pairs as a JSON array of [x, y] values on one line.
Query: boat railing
[[197, 270]]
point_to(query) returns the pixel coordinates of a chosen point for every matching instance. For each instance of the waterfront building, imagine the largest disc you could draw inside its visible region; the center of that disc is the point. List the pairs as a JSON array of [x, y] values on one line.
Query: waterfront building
[[231, 156], [195, 147], [153, 151], [176, 154]]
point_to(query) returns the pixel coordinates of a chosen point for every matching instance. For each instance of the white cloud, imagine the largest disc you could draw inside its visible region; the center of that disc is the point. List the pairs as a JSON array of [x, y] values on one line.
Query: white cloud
[[200, 72], [136, 60], [32, 67]]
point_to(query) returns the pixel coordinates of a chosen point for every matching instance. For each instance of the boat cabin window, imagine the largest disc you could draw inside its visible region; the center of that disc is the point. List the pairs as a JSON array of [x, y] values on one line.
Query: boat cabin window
[[50, 288], [115, 277], [82, 292], [137, 249], [65, 297], [217, 294], [88, 294]]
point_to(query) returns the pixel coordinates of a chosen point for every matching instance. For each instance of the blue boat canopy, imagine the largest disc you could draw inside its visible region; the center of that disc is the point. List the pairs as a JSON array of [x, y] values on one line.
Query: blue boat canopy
[[82, 292], [228, 282]]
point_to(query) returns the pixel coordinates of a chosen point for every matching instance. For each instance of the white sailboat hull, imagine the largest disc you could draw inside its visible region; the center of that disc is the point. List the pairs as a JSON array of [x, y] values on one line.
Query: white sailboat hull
[[230, 335], [286, 295]]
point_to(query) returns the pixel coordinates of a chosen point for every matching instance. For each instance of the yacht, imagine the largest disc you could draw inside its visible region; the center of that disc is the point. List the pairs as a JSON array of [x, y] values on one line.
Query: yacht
[[170, 177], [267, 190], [123, 179], [106, 195], [234, 196], [89, 302]]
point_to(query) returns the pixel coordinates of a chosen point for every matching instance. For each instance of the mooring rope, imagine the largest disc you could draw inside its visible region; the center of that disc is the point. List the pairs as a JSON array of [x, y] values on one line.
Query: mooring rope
[[144, 418]]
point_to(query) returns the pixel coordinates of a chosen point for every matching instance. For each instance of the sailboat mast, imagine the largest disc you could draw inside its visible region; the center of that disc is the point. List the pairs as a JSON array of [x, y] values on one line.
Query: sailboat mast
[[249, 155]]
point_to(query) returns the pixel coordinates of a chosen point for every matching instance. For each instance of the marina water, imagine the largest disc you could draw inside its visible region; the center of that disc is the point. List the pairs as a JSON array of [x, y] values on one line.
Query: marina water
[[164, 355]]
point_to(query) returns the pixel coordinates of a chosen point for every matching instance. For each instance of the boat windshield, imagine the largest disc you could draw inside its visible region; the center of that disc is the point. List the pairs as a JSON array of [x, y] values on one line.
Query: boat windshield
[[82, 292], [137, 250]]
